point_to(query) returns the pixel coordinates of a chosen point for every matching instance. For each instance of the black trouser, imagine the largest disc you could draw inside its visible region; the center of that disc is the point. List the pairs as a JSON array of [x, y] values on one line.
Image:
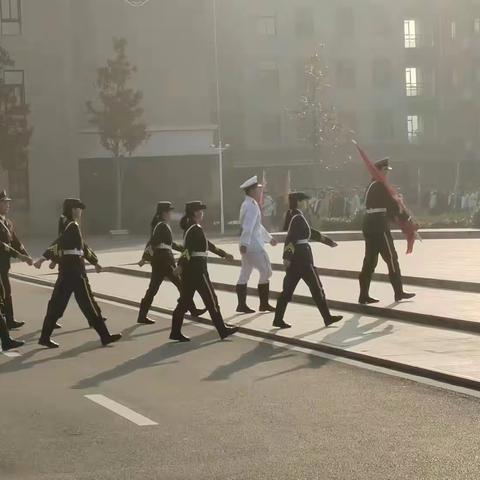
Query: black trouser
[[380, 243], [66, 284], [159, 273], [7, 295], [196, 279], [309, 275]]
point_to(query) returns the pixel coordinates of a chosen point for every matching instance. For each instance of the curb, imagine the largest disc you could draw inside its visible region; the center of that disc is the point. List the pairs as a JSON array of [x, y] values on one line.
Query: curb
[[319, 347], [404, 316], [456, 285]]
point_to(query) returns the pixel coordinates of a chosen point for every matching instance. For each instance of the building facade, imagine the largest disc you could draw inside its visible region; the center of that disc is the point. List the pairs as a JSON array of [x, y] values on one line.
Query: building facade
[[57, 46], [405, 77]]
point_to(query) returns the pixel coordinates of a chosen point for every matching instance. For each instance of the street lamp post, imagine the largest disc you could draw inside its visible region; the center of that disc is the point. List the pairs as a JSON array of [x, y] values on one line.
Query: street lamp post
[[220, 147]]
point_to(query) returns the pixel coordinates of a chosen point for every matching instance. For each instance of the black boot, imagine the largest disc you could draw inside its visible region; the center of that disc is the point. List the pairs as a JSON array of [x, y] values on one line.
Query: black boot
[[9, 317], [365, 298], [176, 332], [6, 341], [47, 330], [404, 296], [142, 314], [280, 312], [242, 306], [264, 294], [397, 284], [105, 337], [333, 319], [227, 331], [197, 312]]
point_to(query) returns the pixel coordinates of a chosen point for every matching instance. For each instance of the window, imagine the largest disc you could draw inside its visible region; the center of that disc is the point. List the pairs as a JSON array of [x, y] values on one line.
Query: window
[[453, 30], [414, 128], [382, 72], [11, 17], [271, 128], [345, 22], [410, 33], [412, 82], [304, 22], [268, 73], [14, 81], [476, 26], [345, 74], [267, 26], [383, 125]]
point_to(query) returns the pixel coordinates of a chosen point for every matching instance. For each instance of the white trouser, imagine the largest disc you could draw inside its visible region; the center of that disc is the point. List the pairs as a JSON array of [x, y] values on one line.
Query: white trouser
[[255, 260]]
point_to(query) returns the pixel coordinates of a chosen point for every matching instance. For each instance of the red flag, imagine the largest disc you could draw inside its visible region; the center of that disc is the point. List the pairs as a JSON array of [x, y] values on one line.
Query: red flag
[[408, 227]]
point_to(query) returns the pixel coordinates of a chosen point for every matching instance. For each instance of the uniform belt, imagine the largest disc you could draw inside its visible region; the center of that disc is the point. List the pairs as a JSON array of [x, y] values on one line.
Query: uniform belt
[[164, 246], [199, 254], [304, 241], [376, 210], [74, 251]]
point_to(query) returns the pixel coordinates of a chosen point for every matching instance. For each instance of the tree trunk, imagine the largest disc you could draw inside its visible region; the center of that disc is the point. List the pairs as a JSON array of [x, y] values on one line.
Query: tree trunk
[[118, 223]]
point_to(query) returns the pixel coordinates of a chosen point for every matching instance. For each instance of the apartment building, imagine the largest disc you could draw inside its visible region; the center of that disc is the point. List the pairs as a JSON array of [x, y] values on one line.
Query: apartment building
[[57, 46], [404, 76]]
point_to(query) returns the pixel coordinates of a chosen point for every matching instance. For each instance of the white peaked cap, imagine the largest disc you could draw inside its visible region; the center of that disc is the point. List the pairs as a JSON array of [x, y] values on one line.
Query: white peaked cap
[[249, 183]]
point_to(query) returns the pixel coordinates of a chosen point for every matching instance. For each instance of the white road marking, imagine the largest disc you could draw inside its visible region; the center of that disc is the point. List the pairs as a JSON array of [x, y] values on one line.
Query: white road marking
[[11, 354], [121, 410]]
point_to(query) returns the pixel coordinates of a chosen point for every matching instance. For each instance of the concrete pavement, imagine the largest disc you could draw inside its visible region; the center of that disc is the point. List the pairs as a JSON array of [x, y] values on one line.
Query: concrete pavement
[[232, 410]]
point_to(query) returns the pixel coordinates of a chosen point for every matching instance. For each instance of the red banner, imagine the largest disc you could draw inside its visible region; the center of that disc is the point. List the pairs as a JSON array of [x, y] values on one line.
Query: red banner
[[407, 226]]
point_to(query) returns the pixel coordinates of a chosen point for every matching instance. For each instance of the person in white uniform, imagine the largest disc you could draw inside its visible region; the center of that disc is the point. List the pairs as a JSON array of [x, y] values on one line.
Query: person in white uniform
[[253, 238]]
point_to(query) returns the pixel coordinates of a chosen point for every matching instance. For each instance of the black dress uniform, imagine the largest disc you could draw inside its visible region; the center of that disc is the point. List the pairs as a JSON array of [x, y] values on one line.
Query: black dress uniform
[[12, 247], [301, 267], [381, 209], [70, 250], [194, 276], [159, 253], [6, 341]]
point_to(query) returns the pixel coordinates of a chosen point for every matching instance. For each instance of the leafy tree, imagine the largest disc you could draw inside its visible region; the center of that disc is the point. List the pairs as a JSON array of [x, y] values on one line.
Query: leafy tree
[[319, 124], [119, 116], [15, 132]]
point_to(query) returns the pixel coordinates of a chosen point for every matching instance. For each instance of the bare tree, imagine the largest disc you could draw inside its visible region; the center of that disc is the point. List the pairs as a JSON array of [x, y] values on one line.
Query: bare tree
[[119, 116], [319, 124], [15, 132]]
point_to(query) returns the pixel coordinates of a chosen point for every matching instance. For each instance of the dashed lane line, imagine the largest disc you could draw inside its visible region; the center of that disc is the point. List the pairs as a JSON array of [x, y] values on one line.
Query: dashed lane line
[[121, 410]]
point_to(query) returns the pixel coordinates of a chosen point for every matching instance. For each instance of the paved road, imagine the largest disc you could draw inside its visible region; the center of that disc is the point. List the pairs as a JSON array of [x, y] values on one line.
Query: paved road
[[237, 409]]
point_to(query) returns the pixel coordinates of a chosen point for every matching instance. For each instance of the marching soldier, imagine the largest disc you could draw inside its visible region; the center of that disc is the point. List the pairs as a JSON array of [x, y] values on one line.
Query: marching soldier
[[194, 273], [253, 238], [159, 253], [12, 247], [298, 260], [381, 208], [70, 250]]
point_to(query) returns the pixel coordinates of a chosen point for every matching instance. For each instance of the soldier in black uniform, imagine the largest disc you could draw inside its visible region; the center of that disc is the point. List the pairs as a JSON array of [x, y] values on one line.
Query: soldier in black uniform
[[70, 250], [381, 208], [159, 253], [194, 273], [14, 248], [298, 260]]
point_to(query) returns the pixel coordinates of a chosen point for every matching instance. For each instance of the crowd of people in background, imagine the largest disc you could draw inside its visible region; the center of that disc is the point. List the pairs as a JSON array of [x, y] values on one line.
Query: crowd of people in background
[[347, 203], [438, 202]]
